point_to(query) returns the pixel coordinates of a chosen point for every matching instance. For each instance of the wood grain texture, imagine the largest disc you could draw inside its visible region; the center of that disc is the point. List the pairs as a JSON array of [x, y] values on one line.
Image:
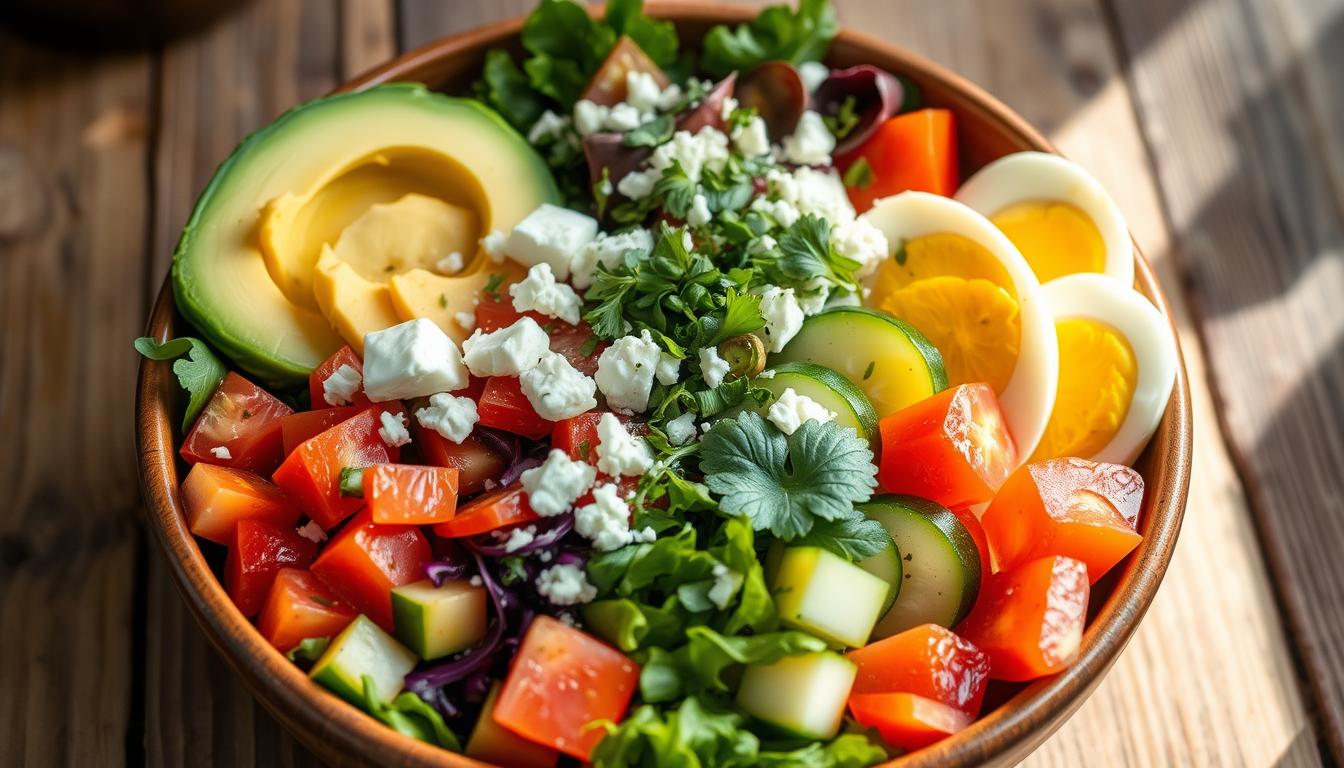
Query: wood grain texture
[[72, 244], [1241, 107]]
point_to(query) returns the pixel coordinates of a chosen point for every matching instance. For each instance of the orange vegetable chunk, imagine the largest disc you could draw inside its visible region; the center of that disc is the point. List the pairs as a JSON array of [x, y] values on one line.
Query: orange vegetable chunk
[[491, 743], [366, 560], [406, 494], [914, 151], [496, 509], [300, 606], [907, 720], [928, 660], [1072, 507], [1030, 620], [216, 498]]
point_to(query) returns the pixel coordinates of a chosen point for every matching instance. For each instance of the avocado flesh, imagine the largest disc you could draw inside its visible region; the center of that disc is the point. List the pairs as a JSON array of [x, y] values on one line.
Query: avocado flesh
[[382, 143]]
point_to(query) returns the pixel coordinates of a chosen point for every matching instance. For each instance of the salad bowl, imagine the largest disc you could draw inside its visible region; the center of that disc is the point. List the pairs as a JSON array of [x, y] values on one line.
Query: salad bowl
[[342, 735]]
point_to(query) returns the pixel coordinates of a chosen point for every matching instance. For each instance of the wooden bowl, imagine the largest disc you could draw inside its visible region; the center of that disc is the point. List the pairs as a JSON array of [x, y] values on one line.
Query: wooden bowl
[[343, 735]]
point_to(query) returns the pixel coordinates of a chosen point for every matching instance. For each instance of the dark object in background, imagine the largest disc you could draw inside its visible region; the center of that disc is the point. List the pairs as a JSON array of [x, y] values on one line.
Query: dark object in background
[[108, 25]]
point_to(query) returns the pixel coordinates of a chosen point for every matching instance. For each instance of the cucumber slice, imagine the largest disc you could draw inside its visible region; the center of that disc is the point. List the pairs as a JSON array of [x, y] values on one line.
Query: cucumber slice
[[437, 621], [823, 594], [363, 649], [833, 391], [886, 565], [802, 695], [888, 359], [940, 562]]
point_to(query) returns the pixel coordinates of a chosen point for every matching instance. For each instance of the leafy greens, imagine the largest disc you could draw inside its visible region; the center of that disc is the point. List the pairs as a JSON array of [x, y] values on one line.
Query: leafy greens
[[199, 374], [777, 33]]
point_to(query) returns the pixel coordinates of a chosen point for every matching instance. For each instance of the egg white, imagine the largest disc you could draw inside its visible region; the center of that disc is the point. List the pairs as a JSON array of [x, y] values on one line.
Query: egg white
[[1092, 296], [1030, 395], [1035, 176]]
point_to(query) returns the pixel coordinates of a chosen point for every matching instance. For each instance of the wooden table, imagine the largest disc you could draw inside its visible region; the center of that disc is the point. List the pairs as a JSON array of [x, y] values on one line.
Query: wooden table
[[1217, 124]]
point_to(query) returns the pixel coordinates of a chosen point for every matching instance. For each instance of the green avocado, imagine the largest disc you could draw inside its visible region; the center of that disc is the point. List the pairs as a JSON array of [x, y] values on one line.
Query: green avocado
[[244, 267]]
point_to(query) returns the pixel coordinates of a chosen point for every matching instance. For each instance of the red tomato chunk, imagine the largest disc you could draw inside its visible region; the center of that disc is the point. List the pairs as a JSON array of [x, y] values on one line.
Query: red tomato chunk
[[914, 151], [300, 606], [504, 406], [474, 461], [928, 660], [259, 551], [907, 720], [410, 495], [366, 560], [497, 509], [298, 428], [343, 356], [242, 422]]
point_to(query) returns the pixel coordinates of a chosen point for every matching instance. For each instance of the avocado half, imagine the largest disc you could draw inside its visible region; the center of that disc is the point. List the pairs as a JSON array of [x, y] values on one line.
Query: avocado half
[[342, 154]]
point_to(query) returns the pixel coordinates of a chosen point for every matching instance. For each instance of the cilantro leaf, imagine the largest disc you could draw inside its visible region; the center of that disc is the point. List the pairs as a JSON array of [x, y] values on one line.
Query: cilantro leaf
[[777, 33], [805, 253], [408, 714], [851, 538], [785, 484], [200, 374], [742, 314], [676, 190]]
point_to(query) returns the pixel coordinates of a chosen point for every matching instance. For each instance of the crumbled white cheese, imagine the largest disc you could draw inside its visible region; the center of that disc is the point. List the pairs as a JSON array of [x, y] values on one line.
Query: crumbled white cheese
[[556, 389], [791, 409], [507, 351], [811, 143], [465, 319], [783, 317], [413, 359], [642, 91], [340, 387], [623, 117], [713, 367], [619, 452], [727, 108], [221, 452], [589, 117], [669, 370], [782, 211], [565, 584], [609, 251], [645, 536], [699, 214], [812, 297], [452, 417], [493, 244], [312, 532], [861, 241], [726, 583], [551, 235], [706, 149], [751, 139], [548, 126], [520, 537], [393, 429], [476, 581], [450, 264], [638, 185], [539, 292], [606, 521], [553, 487], [625, 371], [810, 190], [813, 73], [681, 430]]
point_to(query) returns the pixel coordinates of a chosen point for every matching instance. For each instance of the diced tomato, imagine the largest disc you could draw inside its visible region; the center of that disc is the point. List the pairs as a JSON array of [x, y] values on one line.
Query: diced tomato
[[577, 436], [495, 311], [906, 720], [576, 342], [242, 421], [561, 682], [506, 506], [366, 560], [311, 476], [1072, 507], [626, 486], [913, 151], [304, 425], [977, 531], [216, 498], [474, 461], [608, 86], [952, 448], [259, 551], [491, 743], [406, 494], [504, 406], [1030, 620], [300, 606], [343, 356], [928, 660]]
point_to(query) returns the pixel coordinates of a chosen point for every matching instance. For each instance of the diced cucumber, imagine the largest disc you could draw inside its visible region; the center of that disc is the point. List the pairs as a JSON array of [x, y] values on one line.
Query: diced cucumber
[[940, 562], [491, 742], [801, 695], [821, 593], [886, 565], [888, 359], [436, 621], [831, 390], [363, 649]]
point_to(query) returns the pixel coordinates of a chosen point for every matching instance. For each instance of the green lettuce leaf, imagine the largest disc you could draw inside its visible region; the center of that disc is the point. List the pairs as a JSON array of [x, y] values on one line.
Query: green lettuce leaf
[[199, 374], [410, 715], [777, 33]]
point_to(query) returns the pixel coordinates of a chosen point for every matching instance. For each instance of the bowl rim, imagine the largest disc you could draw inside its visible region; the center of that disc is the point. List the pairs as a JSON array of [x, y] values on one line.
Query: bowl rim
[[343, 734]]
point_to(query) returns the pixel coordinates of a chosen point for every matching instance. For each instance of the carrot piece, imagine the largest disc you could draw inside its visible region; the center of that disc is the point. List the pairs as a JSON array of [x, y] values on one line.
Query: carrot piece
[[907, 720], [300, 606], [366, 560], [506, 506], [927, 660], [405, 494], [216, 498], [913, 151]]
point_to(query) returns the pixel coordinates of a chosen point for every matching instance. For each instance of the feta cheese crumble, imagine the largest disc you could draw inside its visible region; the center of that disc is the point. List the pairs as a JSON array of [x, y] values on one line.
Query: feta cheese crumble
[[465, 319], [619, 452], [669, 370], [783, 317], [493, 245], [539, 292], [553, 487], [813, 73], [712, 366], [726, 583], [393, 429], [450, 264], [751, 139], [221, 452], [606, 521], [699, 214], [681, 430], [548, 126], [519, 538], [413, 359], [608, 251], [556, 389], [625, 371], [507, 351], [551, 235], [861, 241], [706, 149], [642, 91], [340, 387], [791, 409], [565, 585], [811, 143], [452, 417], [312, 532]]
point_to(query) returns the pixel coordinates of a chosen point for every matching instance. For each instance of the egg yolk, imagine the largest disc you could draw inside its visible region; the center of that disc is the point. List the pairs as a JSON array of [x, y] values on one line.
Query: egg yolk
[[1055, 238], [1097, 376], [941, 255]]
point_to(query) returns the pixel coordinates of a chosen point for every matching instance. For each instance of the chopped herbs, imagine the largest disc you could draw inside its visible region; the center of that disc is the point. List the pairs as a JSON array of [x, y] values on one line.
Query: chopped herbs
[[859, 175], [199, 374]]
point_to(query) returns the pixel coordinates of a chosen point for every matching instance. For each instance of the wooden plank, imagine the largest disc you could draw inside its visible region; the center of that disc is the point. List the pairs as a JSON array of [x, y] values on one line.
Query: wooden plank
[[72, 243], [1241, 107], [1053, 61], [420, 21]]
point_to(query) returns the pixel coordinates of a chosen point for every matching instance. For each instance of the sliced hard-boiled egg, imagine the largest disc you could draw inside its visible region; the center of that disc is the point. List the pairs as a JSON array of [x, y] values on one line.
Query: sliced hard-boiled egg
[[1058, 215], [962, 283], [1117, 363]]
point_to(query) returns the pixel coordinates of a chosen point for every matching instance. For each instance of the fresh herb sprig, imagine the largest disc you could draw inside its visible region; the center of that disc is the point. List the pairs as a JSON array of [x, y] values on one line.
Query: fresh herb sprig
[[199, 373]]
